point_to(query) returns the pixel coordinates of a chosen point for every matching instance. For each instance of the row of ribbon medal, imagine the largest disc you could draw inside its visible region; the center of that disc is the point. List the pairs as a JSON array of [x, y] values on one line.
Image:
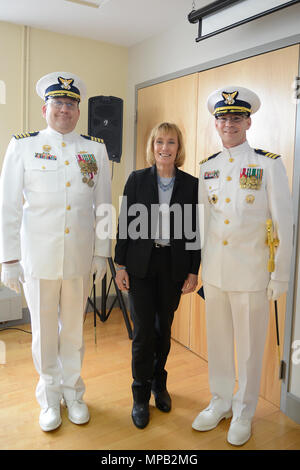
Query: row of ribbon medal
[[86, 162]]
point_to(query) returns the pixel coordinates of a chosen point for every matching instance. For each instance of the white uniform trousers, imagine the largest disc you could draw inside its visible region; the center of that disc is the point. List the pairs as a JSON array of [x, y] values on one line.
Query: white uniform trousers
[[240, 318], [56, 310]]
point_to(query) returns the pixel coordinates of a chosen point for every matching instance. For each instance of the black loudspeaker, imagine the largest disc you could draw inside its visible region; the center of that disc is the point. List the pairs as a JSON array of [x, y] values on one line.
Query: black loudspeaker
[[105, 120]]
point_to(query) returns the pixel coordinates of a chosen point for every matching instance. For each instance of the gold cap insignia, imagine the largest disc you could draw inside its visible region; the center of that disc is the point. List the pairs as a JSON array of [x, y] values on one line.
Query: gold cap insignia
[[65, 83], [229, 98]]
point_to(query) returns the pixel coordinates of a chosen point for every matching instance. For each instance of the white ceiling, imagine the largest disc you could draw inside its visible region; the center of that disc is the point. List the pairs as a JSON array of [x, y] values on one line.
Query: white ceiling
[[121, 22]]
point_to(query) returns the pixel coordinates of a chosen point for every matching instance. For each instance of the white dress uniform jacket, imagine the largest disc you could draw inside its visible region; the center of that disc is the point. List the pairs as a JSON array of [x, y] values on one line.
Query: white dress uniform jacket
[[53, 233], [235, 254]]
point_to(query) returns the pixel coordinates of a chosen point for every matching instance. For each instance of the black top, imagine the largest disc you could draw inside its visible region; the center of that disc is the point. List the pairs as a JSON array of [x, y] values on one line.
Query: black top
[[141, 188]]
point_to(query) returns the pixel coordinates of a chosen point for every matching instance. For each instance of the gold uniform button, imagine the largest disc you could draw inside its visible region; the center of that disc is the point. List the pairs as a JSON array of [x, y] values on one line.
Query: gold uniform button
[[68, 208], [63, 144], [231, 159], [225, 242], [226, 221], [68, 183], [67, 230], [228, 178], [66, 162], [227, 199]]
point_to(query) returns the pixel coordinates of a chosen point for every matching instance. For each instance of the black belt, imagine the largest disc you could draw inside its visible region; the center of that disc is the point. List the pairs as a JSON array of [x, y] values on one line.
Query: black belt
[[157, 245]]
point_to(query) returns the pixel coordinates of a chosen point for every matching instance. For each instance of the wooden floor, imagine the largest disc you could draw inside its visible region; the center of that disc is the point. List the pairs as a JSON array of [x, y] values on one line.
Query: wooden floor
[[107, 375]]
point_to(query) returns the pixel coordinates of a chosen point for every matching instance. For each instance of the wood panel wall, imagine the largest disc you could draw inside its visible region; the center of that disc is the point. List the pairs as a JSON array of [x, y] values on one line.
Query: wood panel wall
[[183, 101]]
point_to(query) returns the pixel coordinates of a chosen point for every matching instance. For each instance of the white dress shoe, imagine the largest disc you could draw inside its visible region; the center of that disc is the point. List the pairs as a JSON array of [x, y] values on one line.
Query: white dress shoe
[[239, 432], [50, 418], [78, 411], [210, 418]]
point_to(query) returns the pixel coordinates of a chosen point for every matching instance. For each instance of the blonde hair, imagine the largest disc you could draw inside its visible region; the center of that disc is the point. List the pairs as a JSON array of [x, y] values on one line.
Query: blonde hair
[[166, 128]]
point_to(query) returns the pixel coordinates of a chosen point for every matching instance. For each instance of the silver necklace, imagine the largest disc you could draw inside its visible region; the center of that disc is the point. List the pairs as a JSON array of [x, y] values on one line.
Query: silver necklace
[[167, 186]]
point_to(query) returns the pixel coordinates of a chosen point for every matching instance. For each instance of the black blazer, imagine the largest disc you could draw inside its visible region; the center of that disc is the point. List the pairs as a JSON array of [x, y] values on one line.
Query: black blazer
[[141, 187]]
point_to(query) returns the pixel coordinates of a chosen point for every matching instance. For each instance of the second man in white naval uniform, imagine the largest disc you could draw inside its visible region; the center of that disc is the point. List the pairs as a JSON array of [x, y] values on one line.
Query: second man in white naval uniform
[[240, 188], [50, 242]]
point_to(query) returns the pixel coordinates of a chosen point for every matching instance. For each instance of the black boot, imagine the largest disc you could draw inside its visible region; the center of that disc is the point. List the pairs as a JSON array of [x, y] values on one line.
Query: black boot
[[163, 401], [140, 414]]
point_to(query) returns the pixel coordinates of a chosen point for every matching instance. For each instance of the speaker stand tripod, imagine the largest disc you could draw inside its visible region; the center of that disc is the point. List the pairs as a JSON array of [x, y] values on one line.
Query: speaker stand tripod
[[103, 315]]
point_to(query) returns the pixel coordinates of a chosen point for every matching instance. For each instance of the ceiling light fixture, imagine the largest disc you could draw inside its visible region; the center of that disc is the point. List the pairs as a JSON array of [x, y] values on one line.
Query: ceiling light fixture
[[89, 3]]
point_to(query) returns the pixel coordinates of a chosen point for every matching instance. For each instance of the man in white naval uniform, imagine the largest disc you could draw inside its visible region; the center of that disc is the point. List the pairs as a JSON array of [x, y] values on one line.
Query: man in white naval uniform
[[50, 242], [240, 188]]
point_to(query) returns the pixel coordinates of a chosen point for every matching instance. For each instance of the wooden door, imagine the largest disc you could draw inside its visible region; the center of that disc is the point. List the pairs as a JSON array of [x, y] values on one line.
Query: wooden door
[[172, 101]]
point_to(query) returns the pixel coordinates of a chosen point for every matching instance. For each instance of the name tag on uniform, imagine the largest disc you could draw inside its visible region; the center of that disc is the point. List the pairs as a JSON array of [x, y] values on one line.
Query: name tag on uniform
[[251, 178], [208, 175]]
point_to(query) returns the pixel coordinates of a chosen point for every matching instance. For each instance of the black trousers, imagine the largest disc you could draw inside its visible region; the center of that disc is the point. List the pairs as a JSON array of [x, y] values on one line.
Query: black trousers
[[153, 301]]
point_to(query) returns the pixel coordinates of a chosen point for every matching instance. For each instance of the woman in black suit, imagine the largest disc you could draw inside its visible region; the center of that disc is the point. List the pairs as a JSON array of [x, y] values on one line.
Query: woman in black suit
[[157, 259]]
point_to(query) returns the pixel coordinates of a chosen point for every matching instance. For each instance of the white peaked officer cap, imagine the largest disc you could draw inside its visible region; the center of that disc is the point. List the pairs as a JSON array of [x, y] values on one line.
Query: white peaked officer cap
[[61, 84], [233, 99]]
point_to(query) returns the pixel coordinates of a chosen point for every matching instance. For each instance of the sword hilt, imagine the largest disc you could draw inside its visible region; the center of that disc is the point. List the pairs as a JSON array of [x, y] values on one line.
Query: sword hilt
[[272, 243]]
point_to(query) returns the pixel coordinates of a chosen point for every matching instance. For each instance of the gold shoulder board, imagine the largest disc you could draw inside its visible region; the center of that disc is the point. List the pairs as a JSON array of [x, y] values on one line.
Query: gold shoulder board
[[267, 154], [25, 134], [209, 158], [94, 139]]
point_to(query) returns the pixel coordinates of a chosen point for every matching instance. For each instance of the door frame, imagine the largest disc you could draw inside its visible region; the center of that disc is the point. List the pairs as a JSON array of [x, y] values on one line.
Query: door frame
[[289, 403]]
